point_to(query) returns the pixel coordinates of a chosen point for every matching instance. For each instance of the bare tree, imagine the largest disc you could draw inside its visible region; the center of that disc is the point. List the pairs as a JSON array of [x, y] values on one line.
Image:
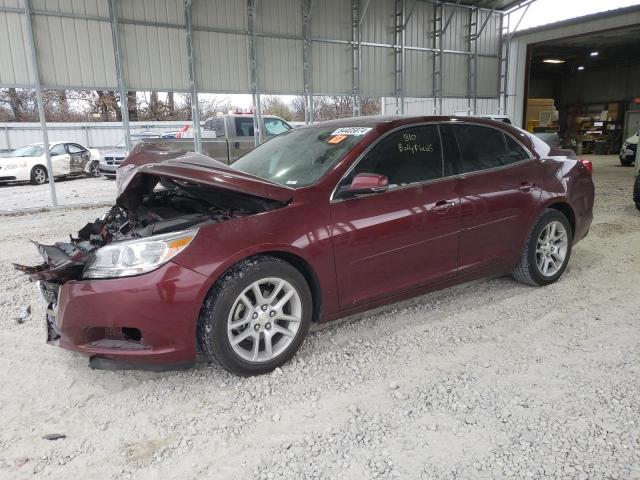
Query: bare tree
[[336, 106], [274, 105]]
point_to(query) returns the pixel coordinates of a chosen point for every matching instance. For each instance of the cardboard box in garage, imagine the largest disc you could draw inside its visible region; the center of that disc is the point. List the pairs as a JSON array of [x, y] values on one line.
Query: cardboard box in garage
[[537, 105]]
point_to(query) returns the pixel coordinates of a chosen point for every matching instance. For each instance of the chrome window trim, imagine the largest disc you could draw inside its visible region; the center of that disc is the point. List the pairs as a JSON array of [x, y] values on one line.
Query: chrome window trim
[[532, 157]]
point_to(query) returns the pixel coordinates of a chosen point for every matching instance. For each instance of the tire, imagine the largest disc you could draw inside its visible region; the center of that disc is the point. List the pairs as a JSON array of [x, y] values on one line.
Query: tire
[[636, 192], [233, 300], [530, 269], [93, 170], [38, 175], [625, 162]]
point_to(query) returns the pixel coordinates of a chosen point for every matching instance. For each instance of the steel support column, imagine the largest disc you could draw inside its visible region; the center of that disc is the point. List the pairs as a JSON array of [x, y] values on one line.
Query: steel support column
[[253, 73], [355, 57], [117, 52], [35, 66], [307, 6], [399, 55], [506, 51], [436, 68], [193, 84]]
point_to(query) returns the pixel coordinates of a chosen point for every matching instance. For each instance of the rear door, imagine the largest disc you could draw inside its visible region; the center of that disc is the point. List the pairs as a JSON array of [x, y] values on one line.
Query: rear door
[[60, 160], [403, 238], [79, 158], [499, 195]]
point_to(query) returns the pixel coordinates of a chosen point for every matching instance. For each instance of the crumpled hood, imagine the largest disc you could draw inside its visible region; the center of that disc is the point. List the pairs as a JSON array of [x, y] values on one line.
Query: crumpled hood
[[194, 168]]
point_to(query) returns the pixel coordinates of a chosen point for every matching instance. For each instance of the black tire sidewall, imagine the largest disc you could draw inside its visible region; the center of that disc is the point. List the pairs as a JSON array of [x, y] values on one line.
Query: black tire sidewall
[[94, 165], [214, 339], [546, 218], [33, 175]]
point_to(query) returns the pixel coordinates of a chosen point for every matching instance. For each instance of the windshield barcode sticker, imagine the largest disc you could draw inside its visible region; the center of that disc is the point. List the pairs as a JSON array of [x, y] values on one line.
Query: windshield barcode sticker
[[357, 131]]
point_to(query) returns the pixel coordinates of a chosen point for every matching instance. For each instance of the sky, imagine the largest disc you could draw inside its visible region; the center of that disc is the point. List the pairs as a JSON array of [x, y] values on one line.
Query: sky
[[542, 12]]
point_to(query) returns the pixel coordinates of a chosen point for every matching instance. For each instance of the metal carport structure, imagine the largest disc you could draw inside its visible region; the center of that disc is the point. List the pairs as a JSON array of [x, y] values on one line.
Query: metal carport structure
[[392, 48]]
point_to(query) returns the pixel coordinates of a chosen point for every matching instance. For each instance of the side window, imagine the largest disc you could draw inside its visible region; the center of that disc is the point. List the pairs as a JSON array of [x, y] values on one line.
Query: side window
[[58, 150], [450, 151], [73, 148], [481, 148], [275, 126], [244, 127], [515, 151], [407, 156], [218, 127]]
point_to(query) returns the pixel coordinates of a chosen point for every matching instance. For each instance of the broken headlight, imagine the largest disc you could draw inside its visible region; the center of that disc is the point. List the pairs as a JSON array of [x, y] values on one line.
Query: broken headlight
[[134, 257]]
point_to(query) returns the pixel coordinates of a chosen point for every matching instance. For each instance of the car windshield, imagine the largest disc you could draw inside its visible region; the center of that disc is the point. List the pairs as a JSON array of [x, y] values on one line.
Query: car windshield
[[28, 151], [299, 157]]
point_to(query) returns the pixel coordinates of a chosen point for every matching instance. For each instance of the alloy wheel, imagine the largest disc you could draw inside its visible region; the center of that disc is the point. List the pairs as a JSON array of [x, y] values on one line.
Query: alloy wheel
[[94, 170], [40, 176], [551, 248], [264, 320]]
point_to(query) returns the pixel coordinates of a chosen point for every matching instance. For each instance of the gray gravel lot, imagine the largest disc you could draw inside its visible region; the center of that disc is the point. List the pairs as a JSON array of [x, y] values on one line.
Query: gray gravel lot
[[70, 191], [490, 379]]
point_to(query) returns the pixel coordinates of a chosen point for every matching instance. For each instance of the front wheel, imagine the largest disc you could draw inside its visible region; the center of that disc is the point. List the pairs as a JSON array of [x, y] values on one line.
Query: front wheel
[[626, 162], [547, 251], [38, 175], [256, 317], [94, 169]]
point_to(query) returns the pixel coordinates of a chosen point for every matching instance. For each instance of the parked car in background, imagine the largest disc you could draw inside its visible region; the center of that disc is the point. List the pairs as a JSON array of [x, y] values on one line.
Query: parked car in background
[[115, 156], [628, 150], [225, 137], [317, 223], [68, 159]]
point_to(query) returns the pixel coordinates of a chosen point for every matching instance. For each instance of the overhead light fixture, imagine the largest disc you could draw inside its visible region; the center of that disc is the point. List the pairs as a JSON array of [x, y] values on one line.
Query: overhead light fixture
[[594, 54], [580, 67], [553, 60]]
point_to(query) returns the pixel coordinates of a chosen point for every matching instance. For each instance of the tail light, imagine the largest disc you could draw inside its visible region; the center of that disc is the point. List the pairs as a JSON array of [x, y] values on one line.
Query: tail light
[[587, 164]]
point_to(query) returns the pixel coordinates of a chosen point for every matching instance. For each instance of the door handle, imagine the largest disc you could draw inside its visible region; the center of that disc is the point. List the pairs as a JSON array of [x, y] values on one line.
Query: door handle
[[526, 187], [442, 206]]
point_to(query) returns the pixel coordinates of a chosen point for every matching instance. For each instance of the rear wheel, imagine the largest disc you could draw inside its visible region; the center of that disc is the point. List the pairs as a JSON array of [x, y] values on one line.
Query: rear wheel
[[256, 317], [626, 162], [38, 175], [547, 251]]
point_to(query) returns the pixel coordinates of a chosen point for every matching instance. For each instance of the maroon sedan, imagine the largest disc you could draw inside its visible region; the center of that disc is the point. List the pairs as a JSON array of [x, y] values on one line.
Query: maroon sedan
[[318, 223]]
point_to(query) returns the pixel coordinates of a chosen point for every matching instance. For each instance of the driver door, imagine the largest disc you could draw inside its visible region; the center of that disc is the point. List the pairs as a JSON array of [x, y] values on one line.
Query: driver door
[[79, 158], [395, 241]]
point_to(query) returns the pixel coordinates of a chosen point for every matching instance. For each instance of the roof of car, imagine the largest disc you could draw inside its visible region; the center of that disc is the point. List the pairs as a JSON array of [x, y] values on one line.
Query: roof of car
[[396, 120]]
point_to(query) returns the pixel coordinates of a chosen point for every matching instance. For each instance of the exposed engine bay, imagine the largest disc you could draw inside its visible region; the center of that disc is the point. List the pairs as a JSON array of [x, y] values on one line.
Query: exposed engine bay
[[152, 206]]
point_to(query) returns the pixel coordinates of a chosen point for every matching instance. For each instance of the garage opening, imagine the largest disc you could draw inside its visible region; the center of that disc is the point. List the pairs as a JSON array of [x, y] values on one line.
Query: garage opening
[[583, 92]]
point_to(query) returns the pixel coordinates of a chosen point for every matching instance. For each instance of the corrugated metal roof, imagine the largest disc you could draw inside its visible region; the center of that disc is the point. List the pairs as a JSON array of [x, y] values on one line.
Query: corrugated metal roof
[[75, 46]]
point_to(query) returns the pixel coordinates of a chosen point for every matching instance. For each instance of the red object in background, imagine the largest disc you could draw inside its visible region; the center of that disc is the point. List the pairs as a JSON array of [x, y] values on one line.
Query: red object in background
[[182, 131], [360, 251]]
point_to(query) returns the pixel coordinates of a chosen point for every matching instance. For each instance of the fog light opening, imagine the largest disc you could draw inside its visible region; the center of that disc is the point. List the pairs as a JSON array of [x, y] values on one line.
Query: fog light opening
[[132, 334]]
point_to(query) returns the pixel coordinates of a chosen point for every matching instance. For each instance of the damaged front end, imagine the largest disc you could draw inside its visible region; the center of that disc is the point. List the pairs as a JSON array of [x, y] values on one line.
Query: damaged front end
[[156, 216]]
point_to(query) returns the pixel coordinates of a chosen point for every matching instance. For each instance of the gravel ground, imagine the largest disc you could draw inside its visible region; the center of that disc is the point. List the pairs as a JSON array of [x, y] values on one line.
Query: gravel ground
[[81, 190], [491, 379]]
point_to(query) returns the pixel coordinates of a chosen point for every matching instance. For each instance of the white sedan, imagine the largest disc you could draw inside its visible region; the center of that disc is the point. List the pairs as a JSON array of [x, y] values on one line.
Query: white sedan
[[68, 159]]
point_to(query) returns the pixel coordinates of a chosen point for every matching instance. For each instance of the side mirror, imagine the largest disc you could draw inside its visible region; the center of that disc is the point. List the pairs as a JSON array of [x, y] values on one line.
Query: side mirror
[[366, 183]]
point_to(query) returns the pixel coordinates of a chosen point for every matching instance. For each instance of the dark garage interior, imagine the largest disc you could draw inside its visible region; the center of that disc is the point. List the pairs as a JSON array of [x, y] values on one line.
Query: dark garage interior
[[585, 88]]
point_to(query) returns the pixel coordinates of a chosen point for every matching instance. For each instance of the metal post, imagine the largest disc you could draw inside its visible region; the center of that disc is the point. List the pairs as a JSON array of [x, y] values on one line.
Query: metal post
[[193, 86], [7, 137], [124, 99], [398, 47], [43, 121], [436, 73], [355, 57], [474, 62], [253, 73], [307, 5], [509, 38]]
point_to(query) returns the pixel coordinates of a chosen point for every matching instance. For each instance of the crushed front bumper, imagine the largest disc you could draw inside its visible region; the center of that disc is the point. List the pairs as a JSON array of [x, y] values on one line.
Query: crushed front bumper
[[146, 322]]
